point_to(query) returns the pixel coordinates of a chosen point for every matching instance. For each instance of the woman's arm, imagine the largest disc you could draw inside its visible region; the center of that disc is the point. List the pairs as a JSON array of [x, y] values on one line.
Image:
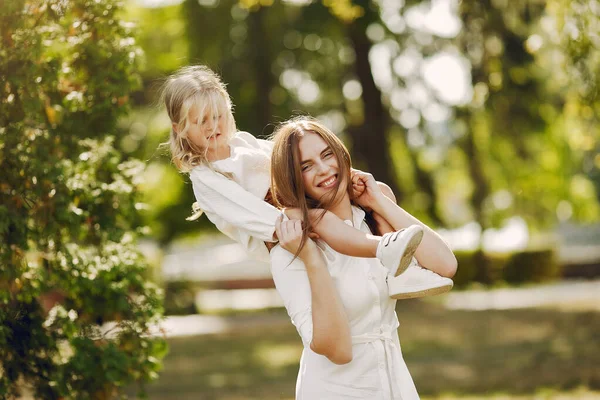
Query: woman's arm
[[433, 253], [330, 329], [383, 226]]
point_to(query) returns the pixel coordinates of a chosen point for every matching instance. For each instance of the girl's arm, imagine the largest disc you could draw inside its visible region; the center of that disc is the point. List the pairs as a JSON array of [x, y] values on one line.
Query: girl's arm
[[310, 295], [433, 253], [232, 208]]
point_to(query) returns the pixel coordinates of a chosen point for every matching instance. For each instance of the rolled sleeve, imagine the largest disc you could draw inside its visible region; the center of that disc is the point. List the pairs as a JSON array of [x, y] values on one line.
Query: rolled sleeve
[[291, 281], [233, 205]]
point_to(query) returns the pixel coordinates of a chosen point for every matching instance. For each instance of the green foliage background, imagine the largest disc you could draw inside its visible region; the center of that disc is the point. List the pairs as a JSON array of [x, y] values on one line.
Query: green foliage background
[[68, 206], [525, 144]]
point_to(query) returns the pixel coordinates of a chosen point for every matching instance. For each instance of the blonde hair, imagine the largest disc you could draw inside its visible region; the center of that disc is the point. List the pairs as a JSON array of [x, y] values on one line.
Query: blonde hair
[[287, 187], [199, 86]]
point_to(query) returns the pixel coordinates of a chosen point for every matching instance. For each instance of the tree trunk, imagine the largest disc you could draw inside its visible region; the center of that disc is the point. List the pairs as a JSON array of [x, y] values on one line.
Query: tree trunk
[[481, 191], [425, 182], [262, 67], [369, 140]]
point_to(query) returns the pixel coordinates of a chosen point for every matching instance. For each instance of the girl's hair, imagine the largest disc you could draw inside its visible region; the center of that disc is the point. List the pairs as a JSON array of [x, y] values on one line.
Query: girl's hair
[[287, 186], [190, 86]]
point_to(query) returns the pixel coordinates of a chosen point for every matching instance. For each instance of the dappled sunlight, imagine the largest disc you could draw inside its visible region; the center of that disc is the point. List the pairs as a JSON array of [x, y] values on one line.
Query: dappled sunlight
[[449, 76], [512, 236], [278, 356], [465, 354], [548, 295], [239, 299], [439, 17]]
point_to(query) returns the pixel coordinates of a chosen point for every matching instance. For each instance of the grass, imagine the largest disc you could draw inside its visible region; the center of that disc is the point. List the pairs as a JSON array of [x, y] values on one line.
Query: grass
[[507, 354]]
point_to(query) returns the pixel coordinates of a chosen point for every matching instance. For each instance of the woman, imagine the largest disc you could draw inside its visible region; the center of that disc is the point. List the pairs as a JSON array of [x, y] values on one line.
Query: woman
[[339, 304]]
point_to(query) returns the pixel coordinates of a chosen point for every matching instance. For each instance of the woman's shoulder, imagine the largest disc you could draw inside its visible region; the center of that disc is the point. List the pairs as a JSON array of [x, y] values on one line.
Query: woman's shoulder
[[279, 254], [281, 259]]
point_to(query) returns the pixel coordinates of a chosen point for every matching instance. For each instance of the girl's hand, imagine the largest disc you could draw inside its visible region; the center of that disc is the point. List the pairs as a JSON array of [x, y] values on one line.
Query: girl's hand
[[370, 192], [290, 235]]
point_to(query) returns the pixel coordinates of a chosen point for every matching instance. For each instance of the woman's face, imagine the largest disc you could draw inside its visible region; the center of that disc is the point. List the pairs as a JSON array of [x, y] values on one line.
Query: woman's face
[[319, 166]]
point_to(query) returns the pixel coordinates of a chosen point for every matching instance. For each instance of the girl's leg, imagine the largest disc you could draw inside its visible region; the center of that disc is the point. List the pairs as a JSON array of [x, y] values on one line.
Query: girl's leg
[[342, 237], [394, 249]]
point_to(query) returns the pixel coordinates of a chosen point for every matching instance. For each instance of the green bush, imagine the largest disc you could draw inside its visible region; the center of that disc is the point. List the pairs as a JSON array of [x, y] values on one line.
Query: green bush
[[180, 297], [68, 199], [532, 266], [521, 267], [467, 268]]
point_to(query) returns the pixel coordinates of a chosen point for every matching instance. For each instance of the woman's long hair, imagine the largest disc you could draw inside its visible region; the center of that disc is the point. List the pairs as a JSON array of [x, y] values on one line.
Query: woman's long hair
[[287, 186]]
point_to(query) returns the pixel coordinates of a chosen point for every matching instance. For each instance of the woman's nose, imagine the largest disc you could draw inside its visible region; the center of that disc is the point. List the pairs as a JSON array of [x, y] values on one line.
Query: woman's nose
[[322, 167]]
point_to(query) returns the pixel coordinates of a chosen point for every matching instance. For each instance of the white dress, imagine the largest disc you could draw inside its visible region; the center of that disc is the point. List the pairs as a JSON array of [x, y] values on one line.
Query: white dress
[[377, 370], [236, 206]]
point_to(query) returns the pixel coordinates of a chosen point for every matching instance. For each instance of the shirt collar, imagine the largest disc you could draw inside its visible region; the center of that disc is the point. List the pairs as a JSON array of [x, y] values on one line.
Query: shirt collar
[[358, 215]]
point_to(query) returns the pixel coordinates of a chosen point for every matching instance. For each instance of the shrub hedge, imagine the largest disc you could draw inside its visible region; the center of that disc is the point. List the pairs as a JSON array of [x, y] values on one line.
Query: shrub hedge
[[534, 265]]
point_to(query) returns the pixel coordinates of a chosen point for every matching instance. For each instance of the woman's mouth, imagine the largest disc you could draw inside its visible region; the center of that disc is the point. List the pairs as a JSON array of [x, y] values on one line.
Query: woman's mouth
[[328, 183]]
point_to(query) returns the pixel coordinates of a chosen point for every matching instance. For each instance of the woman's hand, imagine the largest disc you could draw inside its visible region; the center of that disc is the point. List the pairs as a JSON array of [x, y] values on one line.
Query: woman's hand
[[367, 192], [296, 213], [289, 234]]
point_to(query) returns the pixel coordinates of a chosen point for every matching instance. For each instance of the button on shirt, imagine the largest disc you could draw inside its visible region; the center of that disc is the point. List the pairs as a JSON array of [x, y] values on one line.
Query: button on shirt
[[377, 370]]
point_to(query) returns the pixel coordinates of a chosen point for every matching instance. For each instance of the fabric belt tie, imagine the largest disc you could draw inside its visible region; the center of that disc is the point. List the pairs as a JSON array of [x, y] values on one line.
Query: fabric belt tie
[[392, 355]]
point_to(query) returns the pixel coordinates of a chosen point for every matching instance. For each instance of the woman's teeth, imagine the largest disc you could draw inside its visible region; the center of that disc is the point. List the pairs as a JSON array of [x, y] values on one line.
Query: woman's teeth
[[328, 182]]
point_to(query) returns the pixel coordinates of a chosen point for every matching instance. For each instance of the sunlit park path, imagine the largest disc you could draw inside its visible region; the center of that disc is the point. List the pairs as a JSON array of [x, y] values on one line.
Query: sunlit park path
[[547, 351]]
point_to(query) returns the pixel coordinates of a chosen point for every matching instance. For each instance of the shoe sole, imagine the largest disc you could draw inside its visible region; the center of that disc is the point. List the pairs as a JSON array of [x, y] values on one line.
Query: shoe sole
[[409, 251], [423, 293]]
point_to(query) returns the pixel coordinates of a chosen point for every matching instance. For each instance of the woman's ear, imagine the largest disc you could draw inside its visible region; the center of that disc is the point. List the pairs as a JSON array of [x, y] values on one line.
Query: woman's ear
[[175, 127]]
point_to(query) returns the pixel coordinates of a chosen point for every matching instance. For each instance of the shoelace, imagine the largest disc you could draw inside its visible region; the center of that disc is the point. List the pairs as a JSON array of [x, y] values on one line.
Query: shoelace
[[393, 237]]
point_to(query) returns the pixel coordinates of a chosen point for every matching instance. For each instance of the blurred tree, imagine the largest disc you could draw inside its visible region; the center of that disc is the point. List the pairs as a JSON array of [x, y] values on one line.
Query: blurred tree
[[509, 134], [517, 145], [573, 31], [68, 199], [257, 62]]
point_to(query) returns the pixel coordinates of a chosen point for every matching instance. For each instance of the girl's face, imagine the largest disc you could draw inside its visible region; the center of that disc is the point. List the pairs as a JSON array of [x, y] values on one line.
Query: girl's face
[[319, 166], [209, 131]]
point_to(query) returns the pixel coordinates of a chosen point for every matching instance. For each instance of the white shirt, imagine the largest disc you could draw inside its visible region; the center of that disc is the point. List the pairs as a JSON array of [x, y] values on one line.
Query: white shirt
[[377, 370], [236, 206]]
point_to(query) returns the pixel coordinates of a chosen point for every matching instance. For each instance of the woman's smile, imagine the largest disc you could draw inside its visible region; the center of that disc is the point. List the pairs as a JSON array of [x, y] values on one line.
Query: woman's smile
[[328, 183], [319, 166]]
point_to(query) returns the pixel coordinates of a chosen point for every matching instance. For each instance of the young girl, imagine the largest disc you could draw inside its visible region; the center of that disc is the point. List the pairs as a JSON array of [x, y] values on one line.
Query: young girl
[[230, 174]]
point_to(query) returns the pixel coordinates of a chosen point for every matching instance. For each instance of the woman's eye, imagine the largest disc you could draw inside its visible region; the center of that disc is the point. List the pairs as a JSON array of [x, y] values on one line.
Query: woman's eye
[[328, 154], [305, 168]]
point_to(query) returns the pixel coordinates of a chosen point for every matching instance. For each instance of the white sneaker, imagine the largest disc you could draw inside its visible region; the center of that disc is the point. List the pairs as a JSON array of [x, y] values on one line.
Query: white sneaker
[[396, 249], [418, 282]]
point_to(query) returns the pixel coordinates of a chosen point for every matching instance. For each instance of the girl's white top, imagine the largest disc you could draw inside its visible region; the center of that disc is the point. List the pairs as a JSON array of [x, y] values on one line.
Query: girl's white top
[[236, 206], [377, 370]]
